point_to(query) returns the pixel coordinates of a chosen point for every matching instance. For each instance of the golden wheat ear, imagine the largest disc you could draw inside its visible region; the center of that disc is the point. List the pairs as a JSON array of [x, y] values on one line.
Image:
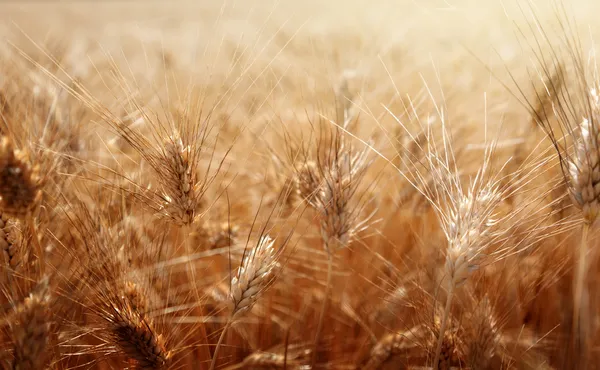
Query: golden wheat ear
[[20, 181], [405, 345], [11, 241], [31, 330], [293, 357], [138, 340], [121, 310]]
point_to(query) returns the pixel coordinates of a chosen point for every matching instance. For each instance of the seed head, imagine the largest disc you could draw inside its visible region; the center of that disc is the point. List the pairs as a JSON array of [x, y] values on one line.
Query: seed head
[[253, 275], [337, 201], [20, 184], [31, 331], [10, 241], [180, 198], [136, 337], [468, 231], [584, 165]]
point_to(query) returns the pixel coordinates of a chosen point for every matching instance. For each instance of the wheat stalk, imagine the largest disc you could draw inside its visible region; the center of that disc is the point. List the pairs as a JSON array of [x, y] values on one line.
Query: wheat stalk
[[254, 275], [580, 167], [467, 225], [337, 202]]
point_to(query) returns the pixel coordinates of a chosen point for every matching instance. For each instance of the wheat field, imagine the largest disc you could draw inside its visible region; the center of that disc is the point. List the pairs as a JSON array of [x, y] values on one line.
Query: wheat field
[[259, 184]]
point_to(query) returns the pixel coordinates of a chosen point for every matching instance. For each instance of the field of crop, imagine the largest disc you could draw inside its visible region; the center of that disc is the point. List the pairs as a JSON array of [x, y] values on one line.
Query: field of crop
[[259, 184]]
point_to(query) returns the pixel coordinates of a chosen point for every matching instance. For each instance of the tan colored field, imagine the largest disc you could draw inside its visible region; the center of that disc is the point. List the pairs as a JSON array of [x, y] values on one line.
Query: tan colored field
[[299, 184]]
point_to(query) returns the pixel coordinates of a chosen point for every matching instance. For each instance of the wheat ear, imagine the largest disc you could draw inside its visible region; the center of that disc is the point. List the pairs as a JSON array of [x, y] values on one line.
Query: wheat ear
[[338, 205], [581, 168], [484, 335], [20, 190], [9, 242], [31, 330], [20, 182], [394, 344], [137, 338], [123, 309], [468, 233], [181, 198]]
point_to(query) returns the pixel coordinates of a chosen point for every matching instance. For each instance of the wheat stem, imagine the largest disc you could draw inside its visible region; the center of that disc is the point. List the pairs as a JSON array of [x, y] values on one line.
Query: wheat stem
[[323, 308], [579, 285], [191, 270], [443, 324], [38, 245], [221, 337]]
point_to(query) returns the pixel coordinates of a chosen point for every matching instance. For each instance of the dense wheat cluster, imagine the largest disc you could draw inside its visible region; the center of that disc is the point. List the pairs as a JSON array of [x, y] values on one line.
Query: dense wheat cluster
[[300, 185]]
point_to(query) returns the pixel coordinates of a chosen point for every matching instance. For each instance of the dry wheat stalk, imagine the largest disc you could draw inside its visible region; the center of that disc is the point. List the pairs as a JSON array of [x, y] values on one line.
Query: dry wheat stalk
[[575, 108], [338, 204], [467, 226], [468, 232], [468, 217], [116, 301], [255, 273], [584, 166], [445, 337]]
